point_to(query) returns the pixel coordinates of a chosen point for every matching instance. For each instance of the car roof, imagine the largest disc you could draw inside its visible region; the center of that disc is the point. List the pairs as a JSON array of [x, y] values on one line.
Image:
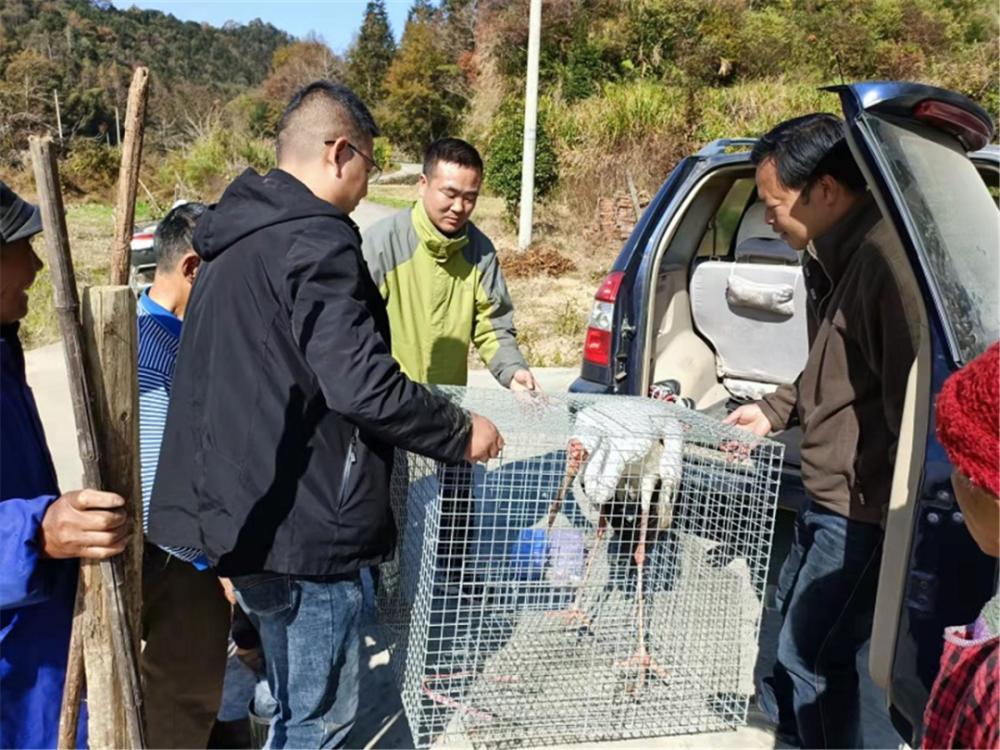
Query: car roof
[[717, 152]]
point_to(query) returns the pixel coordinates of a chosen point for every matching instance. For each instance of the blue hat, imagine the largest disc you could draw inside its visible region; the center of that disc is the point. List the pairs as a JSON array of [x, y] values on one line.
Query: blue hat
[[18, 218]]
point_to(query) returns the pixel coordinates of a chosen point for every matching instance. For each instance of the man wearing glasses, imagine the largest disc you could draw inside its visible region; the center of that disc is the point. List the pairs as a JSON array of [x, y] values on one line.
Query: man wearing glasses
[[442, 285], [374, 170], [285, 407]]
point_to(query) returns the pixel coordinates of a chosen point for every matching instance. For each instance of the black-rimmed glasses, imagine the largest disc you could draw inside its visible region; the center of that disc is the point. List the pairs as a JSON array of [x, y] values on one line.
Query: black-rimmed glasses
[[374, 170]]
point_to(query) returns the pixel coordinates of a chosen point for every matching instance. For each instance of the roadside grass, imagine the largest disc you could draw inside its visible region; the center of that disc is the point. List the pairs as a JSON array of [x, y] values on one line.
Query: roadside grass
[[91, 229], [394, 196], [550, 310]]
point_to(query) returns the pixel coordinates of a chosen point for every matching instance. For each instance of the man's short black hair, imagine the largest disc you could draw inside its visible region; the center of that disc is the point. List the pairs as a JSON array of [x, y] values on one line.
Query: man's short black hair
[[806, 148], [323, 111], [172, 238], [452, 151]]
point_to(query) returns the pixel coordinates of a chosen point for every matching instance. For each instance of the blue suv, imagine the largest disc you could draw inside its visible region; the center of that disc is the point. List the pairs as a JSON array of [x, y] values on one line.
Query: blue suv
[[661, 318]]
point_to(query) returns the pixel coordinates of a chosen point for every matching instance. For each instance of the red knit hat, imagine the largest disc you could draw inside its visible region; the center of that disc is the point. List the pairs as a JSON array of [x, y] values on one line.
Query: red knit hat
[[968, 420]]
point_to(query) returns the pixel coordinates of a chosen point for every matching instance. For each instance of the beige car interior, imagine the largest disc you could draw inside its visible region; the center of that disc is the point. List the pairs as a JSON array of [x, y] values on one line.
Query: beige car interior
[[730, 326], [752, 305], [718, 347]]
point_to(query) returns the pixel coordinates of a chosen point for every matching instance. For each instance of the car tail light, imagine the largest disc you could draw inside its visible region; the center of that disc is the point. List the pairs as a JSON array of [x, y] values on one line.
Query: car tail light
[[597, 348], [142, 241], [969, 129]]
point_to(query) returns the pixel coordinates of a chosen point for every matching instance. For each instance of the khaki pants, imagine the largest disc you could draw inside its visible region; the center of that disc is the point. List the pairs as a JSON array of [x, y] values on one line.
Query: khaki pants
[[185, 624]]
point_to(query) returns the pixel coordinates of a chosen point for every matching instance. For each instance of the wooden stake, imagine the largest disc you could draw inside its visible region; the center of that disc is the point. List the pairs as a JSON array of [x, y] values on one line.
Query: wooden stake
[[633, 194], [112, 597], [55, 93], [69, 717], [128, 176], [110, 353]]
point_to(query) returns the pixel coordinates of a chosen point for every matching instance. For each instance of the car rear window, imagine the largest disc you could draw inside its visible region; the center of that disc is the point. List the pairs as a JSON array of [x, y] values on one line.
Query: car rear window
[[957, 229]]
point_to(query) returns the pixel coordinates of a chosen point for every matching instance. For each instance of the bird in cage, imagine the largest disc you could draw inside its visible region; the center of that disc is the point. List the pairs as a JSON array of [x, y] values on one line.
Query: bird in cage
[[619, 460]]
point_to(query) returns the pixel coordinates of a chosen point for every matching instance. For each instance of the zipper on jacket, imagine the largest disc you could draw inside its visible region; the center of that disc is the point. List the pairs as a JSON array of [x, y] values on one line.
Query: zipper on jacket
[[352, 458]]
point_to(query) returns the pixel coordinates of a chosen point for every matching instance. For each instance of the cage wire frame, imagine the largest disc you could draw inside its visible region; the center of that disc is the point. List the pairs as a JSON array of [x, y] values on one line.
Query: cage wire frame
[[507, 629]]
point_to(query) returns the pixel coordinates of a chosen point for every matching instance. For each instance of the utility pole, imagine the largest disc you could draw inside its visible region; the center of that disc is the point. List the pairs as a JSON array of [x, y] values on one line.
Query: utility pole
[[530, 126], [55, 94]]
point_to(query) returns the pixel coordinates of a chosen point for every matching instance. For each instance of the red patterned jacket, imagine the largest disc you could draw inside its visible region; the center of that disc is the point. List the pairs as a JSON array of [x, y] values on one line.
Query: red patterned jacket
[[964, 707]]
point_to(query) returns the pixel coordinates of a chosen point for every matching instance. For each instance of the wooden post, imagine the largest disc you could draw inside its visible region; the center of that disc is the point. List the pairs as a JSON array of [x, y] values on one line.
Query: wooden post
[[633, 194], [55, 93], [110, 354], [128, 176], [107, 599]]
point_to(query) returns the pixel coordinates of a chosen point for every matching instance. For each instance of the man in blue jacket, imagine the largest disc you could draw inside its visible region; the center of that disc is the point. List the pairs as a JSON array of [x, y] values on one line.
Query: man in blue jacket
[[42, 533]]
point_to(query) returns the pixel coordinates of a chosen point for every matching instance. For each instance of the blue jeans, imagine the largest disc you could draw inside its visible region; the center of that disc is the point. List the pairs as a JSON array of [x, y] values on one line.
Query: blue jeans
[[310, 632], [826, 595]]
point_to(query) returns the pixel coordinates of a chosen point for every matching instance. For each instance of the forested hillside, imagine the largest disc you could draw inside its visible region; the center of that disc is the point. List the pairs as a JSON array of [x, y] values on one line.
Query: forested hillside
[[626, 85], [85, 50], [636, 84]]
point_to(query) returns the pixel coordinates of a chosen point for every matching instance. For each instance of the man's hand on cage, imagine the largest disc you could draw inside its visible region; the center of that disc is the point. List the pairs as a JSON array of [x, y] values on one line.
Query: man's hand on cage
[[523, 380], [750, 417], [486, 441]]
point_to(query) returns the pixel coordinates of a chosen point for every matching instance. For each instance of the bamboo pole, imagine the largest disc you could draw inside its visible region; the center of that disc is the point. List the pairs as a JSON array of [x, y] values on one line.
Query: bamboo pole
[[128, 176], [112, 572]]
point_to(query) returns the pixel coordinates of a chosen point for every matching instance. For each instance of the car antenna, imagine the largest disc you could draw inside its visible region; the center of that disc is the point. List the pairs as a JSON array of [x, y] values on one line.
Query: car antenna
[[840, 68]]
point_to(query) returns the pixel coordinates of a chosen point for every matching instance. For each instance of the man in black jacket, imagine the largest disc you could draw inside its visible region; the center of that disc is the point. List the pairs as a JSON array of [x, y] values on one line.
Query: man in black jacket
[[286, 408]]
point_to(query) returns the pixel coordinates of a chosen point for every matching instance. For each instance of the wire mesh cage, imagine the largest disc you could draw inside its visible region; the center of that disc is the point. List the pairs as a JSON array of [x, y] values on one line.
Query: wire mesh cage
[[602, 579]]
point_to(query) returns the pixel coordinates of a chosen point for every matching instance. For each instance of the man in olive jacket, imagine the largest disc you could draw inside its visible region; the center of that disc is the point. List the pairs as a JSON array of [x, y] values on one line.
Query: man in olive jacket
[[441, 282], [864, 330]]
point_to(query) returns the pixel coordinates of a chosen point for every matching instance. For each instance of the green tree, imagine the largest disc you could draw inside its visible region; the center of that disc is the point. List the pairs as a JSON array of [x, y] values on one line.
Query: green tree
[[421, 103], [504, 157], [370, 56], [26, 98]]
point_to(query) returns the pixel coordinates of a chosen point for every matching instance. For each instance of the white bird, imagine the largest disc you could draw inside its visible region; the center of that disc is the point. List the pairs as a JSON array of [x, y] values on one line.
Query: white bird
[[624, 452]]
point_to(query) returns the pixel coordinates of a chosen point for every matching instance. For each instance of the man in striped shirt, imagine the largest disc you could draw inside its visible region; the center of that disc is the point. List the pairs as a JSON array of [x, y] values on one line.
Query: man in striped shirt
[[186, 616]]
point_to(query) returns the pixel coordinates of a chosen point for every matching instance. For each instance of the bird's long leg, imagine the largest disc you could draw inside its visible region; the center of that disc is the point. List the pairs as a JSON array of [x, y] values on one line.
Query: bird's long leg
[[567, 480], [576, 454], [642, 658], [575, 611]]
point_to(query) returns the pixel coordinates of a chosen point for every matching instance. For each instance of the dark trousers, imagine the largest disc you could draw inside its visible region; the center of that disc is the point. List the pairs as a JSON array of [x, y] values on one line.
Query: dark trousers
[[826, 595], [185, 623]]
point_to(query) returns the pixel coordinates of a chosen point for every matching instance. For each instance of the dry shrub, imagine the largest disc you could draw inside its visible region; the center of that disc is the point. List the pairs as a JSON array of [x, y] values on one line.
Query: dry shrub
[[646, 129], [537, 260], [590, 174]]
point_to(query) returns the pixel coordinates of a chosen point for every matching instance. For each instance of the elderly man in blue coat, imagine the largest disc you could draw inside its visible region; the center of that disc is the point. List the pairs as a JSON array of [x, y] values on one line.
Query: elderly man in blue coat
[[43, 533]]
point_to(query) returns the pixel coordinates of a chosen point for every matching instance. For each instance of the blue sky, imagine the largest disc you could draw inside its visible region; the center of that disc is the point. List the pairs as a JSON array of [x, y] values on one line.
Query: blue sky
[[337, 21]]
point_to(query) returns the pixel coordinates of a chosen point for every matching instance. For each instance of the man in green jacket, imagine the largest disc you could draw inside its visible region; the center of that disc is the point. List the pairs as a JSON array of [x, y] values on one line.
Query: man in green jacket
[[441, 282]]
